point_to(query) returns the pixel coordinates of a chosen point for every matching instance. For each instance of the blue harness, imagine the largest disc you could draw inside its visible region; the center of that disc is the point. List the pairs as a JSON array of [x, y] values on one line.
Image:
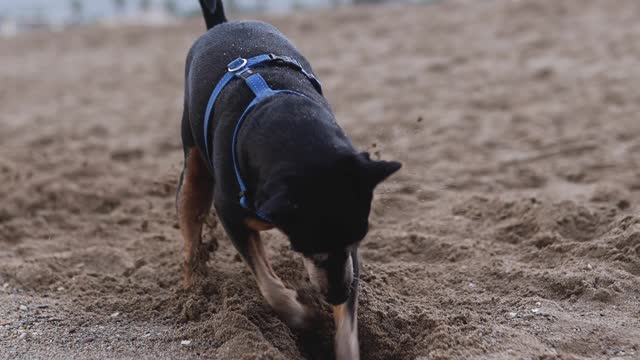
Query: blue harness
[[241, 68]]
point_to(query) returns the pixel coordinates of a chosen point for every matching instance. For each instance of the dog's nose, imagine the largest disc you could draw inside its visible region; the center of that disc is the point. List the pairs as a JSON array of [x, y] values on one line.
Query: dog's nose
[[338, 296]]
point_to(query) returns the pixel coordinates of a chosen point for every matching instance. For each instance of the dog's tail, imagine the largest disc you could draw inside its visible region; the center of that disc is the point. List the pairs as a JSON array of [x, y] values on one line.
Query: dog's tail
[[213, 12]]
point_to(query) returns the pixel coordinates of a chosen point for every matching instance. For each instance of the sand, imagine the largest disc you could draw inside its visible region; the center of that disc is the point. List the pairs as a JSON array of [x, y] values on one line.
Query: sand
[[512, 231]]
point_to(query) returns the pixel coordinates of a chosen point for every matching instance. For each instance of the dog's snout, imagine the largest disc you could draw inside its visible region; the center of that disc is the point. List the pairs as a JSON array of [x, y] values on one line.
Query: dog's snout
[[338, 296], [340, 288], [332, 276]]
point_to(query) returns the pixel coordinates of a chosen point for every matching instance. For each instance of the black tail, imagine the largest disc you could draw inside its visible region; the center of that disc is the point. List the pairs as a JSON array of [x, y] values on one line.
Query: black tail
[[213, 12]]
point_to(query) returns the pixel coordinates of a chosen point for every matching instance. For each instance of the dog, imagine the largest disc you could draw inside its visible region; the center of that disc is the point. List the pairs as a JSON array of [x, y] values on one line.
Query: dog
[[262, 144]]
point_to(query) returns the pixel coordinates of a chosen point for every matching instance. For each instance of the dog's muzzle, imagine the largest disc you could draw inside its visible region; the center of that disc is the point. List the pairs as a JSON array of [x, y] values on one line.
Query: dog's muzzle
[[332, 280]]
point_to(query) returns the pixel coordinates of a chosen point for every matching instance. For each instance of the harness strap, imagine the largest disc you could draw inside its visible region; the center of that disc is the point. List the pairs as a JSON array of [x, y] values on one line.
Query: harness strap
[[239, 65], [241, 68], [258, 85]]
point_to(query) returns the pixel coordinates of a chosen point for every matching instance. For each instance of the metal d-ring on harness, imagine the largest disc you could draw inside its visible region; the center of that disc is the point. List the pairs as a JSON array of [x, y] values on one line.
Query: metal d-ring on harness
[[241, 68]]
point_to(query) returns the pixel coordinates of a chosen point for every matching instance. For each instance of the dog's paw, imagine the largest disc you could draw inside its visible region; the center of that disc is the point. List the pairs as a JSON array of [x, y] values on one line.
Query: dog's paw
[[194, 281], [346, 339], [300, 320], [187, 280], [347, 347], [296, 315]]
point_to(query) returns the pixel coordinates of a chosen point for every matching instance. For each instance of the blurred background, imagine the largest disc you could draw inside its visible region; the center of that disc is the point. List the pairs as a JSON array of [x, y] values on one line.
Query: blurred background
[[30, 15]]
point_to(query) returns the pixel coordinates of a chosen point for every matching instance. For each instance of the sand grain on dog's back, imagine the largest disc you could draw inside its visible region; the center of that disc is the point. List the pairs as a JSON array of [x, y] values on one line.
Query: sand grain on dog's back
[[512, 230]]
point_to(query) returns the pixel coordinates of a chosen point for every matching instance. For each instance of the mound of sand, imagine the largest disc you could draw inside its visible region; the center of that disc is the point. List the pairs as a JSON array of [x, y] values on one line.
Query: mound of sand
[[511, 232]]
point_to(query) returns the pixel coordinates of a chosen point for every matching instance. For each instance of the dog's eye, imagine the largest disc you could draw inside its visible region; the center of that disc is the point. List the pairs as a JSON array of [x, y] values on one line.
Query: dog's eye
[[321, 257]]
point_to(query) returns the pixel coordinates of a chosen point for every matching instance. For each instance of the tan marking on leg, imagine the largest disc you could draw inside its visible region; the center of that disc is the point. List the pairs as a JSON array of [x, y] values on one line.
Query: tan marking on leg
[[346, 340], [257, 225], [193, 204], [282, 299]]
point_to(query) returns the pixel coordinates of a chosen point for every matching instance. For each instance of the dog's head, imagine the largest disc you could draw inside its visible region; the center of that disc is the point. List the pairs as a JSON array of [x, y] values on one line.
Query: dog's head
[[324, 211]]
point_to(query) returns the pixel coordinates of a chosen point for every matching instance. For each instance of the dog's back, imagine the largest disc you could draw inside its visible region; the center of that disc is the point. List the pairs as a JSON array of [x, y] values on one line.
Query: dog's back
[[208, 59]]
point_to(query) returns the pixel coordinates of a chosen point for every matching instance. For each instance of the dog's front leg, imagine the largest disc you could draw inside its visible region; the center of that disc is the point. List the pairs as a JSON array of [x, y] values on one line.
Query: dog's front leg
[[346, 319], [282, 299]]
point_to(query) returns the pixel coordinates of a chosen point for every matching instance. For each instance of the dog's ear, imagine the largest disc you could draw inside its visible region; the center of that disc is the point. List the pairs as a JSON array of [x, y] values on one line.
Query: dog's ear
[[373, 172]]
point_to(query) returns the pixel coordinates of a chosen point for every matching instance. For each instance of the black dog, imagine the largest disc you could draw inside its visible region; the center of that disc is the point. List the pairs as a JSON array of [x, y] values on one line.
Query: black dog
[[289, 166]]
